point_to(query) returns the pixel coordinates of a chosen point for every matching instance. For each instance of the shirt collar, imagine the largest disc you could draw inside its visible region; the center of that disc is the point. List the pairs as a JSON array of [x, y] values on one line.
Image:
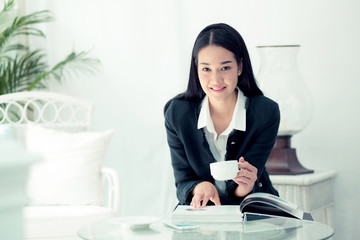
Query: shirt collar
[[238, 120]]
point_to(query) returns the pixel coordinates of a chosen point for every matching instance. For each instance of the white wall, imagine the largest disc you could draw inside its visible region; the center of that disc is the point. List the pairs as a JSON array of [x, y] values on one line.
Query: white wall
[[145, 50]]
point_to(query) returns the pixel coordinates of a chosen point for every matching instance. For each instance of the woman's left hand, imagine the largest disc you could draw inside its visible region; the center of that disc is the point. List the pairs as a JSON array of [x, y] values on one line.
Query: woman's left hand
[[245, 178]]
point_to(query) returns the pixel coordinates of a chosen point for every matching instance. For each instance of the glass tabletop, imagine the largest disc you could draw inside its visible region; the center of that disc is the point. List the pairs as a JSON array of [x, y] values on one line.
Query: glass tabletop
[[255, 228]]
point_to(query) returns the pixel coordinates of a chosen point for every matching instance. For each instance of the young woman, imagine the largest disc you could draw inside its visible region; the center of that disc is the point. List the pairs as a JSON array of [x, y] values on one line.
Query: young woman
[[222, 115]]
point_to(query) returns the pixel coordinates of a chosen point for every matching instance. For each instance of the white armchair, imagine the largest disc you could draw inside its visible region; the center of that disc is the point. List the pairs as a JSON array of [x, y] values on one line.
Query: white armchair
[[56, 126]]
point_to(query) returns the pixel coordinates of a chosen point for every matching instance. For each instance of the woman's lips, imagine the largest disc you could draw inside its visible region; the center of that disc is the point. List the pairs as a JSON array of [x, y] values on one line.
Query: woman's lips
[[218, 89]]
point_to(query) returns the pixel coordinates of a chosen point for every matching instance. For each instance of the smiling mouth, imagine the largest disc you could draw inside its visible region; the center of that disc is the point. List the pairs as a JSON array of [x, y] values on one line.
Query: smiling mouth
[[218, 89]]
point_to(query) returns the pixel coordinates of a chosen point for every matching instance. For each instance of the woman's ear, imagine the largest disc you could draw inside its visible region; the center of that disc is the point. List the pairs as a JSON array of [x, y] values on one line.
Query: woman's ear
[[240, 68]]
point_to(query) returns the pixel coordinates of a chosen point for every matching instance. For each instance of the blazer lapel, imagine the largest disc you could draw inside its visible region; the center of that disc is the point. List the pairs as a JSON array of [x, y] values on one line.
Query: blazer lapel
[[235, 148]]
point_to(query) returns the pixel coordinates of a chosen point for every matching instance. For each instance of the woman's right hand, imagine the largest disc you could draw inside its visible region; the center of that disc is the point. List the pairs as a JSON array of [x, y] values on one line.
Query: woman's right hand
[[202, 193]]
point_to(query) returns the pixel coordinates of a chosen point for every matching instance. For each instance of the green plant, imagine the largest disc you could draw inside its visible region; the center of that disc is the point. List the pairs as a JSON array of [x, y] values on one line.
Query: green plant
[[23, 69]]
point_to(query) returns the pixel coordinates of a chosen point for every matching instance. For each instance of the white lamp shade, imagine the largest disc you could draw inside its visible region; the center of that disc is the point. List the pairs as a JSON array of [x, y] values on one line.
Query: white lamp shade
[[280, 80]]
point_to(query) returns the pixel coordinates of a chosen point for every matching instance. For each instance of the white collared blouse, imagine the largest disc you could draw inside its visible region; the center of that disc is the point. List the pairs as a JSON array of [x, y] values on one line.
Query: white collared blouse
[[217, 143]]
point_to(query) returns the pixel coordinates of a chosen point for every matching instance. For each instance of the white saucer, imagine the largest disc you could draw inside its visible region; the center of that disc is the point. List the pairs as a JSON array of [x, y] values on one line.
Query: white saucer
[[134, 221]]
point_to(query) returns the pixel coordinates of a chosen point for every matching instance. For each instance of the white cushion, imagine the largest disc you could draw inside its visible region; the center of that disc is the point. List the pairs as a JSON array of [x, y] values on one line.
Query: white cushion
[[70, 171], [61, 221]]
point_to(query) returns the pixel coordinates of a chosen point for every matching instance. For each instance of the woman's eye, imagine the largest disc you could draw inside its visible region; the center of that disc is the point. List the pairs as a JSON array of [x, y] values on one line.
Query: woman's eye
[[206, 69], [225, 68]]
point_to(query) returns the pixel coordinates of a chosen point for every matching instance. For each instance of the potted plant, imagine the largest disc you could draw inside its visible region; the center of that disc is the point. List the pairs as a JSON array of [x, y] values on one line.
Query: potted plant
[[24, 69]]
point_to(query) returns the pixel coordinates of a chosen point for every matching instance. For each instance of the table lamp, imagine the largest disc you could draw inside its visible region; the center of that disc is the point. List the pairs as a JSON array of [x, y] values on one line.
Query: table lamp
[[280, 80]]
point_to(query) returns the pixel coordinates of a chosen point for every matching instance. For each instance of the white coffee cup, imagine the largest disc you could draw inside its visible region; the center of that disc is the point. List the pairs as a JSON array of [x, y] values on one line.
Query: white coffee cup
[[224, 170]]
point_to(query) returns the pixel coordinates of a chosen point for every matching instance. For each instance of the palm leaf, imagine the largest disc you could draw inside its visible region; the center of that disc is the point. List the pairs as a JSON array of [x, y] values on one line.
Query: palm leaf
[[70, 65], [29, 69], [11, 48], [17, 75], [8, 6], [20, 26], [7, 14]]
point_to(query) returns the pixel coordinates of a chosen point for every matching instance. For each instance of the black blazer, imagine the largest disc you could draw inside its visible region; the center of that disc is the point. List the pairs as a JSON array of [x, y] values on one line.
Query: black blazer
[[191, 155]]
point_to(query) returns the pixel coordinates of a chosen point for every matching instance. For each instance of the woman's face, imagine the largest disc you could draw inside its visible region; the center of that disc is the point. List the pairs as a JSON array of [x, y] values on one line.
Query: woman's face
[[218, 72]]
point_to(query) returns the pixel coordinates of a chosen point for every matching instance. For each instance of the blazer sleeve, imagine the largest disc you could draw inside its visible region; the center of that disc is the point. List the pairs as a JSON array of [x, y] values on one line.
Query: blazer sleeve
[[185, 177], [259, 150]]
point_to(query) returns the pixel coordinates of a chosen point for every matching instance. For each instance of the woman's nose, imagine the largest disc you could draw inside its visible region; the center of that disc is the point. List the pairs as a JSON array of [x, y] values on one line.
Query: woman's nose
[[217, 77]]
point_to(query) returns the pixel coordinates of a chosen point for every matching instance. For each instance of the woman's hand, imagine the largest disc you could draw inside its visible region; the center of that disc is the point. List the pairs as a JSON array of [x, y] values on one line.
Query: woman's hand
[[202, 193], [245, 178]]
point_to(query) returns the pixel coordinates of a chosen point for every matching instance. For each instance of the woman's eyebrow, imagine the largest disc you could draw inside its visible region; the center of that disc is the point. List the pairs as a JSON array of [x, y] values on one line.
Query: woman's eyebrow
[[226, 62], [222, 63]]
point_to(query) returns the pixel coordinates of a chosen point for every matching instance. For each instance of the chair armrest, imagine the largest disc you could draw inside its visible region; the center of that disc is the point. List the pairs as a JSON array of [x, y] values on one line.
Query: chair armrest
[[111, 187]]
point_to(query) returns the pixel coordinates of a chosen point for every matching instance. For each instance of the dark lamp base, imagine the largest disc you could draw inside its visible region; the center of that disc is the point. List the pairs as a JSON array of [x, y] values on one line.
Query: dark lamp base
[[283, 159]]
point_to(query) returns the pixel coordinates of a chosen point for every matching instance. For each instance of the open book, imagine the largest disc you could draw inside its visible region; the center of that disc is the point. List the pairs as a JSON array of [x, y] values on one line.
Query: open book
[[260, 203]]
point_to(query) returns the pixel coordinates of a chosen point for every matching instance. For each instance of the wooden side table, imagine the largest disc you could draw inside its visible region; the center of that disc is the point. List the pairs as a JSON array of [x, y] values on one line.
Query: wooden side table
[[313, 192]]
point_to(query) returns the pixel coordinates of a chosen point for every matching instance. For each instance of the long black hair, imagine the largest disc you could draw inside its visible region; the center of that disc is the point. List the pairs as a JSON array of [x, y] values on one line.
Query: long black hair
[[225, 36]]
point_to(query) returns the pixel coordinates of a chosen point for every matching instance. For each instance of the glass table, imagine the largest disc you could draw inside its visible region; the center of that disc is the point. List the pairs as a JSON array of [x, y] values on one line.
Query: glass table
[[254, 227]]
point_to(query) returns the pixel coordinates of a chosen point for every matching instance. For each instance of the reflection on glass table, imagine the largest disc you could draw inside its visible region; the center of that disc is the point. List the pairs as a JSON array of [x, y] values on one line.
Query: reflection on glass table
[[254, 226]]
